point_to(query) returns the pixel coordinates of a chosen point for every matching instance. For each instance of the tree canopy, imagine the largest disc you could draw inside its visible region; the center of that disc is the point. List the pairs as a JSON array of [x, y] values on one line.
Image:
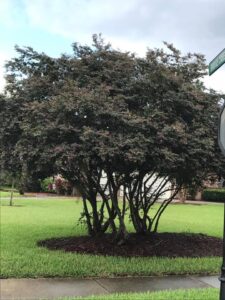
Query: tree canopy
[[141, 123]]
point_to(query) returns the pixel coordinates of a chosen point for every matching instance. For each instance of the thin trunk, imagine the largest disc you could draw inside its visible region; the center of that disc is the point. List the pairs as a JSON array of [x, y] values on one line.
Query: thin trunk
[[87, 215], [96, 222], [161, 210], [113, 189], [11, 194]]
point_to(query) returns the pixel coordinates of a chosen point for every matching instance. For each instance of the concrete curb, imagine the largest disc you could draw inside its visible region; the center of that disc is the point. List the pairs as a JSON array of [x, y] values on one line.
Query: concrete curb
[[53, 288]]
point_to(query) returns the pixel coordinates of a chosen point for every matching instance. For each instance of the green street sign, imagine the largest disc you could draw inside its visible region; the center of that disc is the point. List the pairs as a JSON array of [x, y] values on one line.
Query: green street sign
[[217, 62]]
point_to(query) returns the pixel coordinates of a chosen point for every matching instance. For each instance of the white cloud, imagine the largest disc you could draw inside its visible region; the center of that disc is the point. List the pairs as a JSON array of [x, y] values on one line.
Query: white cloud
[[193, 25], [133, 25], [10, 13], [75, 18], [5, 9]]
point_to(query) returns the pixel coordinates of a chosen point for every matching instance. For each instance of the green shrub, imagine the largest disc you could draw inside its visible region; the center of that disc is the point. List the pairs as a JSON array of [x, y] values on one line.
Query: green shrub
[[58, 185], [47, 184], [214, 195]]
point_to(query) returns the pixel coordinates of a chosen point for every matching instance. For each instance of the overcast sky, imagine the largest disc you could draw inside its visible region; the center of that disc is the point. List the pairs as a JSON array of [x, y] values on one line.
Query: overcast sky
[[52, 25]]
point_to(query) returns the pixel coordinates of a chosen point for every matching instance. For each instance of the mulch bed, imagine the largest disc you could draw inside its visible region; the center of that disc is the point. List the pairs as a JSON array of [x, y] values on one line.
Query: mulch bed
[[159, 244]]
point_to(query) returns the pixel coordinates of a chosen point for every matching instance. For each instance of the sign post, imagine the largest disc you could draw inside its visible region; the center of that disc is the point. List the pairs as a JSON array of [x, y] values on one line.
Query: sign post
[[214, 65], [221, 141]]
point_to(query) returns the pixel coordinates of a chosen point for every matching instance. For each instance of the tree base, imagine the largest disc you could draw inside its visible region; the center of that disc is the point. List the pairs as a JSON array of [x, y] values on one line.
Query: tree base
[[158, 244]]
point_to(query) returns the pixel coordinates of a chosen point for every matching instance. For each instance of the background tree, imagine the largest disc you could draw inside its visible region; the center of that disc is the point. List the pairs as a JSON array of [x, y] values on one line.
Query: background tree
[[104, 113]]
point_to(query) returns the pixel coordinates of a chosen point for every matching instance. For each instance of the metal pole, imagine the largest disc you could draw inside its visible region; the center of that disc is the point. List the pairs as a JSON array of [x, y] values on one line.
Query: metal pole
[[222, 277]]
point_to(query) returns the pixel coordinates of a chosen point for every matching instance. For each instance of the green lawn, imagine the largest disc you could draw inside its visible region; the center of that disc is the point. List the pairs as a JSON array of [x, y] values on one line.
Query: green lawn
[[8, 193], [32, 220], [192, 294]]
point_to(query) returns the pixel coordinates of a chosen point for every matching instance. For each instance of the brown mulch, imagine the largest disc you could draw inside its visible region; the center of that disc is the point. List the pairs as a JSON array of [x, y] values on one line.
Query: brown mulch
[[159, 244]]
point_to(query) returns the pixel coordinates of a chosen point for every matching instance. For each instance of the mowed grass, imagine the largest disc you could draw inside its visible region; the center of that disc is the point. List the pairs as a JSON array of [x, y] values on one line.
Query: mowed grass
[[31, 220], [8, 194], [192, 294]]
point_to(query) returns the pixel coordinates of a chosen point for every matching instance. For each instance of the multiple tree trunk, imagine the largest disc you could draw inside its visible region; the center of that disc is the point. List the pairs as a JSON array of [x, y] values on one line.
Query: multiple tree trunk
[[105, 209]]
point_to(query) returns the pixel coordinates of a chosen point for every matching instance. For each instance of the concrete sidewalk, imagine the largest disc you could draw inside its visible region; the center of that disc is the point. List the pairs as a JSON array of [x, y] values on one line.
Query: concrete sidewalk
[[43, 288]]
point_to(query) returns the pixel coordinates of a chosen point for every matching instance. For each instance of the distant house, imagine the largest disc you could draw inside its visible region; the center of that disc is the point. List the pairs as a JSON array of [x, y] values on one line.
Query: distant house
[[167, 188]]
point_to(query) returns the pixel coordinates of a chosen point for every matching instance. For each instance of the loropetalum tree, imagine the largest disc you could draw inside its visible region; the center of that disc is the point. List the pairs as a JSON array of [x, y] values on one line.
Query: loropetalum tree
[[147, 125]]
